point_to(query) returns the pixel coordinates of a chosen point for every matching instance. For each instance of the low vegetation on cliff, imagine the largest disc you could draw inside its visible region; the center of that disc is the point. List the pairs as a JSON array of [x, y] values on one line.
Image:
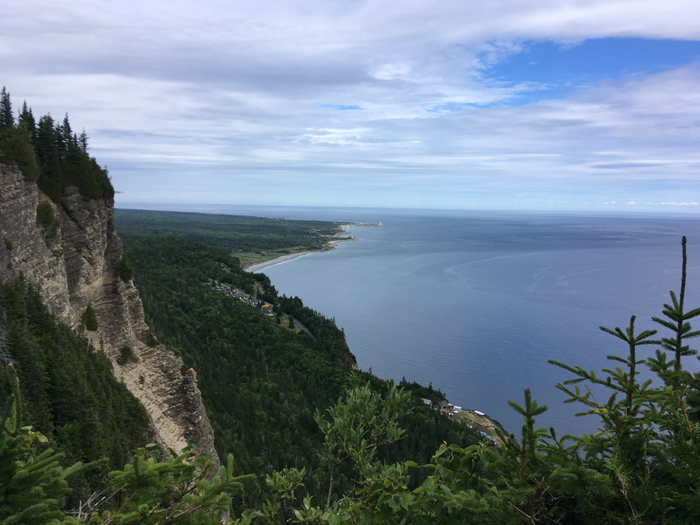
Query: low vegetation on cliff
[[50, 152]]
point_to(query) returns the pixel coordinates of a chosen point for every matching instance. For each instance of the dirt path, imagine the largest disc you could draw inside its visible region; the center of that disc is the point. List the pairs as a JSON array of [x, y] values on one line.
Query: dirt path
[[481, 423], [296, 322]]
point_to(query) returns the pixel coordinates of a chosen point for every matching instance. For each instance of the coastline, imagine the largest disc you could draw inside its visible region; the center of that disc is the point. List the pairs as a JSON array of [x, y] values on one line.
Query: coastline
[[259, 266], [331, 245]]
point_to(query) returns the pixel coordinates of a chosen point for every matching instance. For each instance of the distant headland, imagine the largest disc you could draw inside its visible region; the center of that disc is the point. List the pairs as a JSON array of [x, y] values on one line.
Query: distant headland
[[363, 224], [339, 236]]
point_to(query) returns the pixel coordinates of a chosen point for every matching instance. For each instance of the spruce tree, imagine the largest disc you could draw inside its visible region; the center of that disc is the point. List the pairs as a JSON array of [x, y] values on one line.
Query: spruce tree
[[83, 142], [64, 137], [27, 117], [123, 270], [51, 180], [7, 119], [184, 488], [23, 152], [89, 318], [677, 320], [32, 483]]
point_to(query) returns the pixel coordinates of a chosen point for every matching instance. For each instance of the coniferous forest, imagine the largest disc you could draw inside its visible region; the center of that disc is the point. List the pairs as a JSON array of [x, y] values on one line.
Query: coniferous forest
[[303, 437], [238, 235], [50, 152], [67, 391]]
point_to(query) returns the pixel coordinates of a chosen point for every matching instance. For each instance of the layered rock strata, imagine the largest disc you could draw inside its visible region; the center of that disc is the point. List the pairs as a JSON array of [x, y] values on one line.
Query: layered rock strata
[[74, 264]]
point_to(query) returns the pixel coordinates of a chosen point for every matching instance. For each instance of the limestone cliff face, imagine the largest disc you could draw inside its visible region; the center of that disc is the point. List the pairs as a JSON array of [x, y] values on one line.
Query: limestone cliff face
[[74, 265]]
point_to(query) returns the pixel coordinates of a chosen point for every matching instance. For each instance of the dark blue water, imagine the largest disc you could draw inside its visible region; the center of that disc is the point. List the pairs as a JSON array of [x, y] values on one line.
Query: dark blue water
[[475, 303]]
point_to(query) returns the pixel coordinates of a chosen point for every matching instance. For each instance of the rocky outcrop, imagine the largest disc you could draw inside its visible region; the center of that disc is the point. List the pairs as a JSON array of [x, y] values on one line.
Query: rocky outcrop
[[74, 264]]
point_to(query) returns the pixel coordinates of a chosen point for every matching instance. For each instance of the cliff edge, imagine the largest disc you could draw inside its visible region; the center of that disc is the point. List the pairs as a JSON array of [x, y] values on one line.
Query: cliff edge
[[73, 260]]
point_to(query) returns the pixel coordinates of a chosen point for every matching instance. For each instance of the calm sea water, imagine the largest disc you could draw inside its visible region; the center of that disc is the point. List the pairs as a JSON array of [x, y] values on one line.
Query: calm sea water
[[476, 303]]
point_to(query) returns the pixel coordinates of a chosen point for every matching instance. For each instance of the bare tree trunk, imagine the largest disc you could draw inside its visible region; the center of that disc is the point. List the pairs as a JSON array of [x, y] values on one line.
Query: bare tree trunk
[[330, 487]]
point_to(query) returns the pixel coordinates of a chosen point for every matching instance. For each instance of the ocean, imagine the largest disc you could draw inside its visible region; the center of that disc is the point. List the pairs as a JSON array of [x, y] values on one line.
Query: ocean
[[476, 303]]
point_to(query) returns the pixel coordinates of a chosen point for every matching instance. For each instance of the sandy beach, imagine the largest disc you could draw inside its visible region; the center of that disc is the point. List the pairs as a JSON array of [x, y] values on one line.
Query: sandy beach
[[330, 246], [257, 267]]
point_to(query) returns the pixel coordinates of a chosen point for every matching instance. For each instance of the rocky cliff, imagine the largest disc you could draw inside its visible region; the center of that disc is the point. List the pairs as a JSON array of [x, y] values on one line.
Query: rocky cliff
[[73, 260]]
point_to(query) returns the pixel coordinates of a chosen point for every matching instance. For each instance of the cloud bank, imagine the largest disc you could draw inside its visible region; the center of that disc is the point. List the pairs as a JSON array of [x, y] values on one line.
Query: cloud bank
[[369, 102]]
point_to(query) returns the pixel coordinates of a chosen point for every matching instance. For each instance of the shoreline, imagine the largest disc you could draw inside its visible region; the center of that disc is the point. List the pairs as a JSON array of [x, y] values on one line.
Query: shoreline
[[331, 245], [277, 260]]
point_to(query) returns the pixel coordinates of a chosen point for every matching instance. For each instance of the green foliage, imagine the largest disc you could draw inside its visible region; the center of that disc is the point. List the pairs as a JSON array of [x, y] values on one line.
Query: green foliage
[[676, 321], [50, 153], [32, 482], [46, 219], [24, 152], [89, 318], [6, 127], [231, 232], [354, 429], [8, 243], [178, 489], [16, 148], [126, 355], [123, 270], [54, 229], [33, 485], [7, 120], [320, 326], [44, 214], [358, 425], [26, 117], [261, 383], [67, 390]]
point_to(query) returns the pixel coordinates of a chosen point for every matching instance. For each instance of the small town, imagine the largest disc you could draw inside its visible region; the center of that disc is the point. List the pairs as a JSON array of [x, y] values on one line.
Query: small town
[[265, 308]]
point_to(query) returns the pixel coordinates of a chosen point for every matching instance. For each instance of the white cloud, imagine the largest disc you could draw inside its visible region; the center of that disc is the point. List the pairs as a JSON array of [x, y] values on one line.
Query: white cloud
[[336, 136], [239, 92], [392, 72]]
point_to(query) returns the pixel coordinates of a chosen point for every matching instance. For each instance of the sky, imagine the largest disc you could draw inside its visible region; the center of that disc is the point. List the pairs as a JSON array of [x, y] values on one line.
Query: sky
[[506, 105]]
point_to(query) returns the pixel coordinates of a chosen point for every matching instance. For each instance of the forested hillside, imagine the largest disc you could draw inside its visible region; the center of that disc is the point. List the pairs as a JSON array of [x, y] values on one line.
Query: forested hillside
[[251, 239], [69, 393], [261, 382]]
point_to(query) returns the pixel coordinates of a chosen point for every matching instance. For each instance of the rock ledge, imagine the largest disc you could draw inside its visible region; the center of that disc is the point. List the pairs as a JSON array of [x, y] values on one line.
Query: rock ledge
[[76, 268]]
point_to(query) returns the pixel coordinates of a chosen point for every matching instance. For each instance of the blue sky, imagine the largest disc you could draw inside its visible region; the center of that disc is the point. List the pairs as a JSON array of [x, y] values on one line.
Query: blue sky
[[562, 67], [548, 105]]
